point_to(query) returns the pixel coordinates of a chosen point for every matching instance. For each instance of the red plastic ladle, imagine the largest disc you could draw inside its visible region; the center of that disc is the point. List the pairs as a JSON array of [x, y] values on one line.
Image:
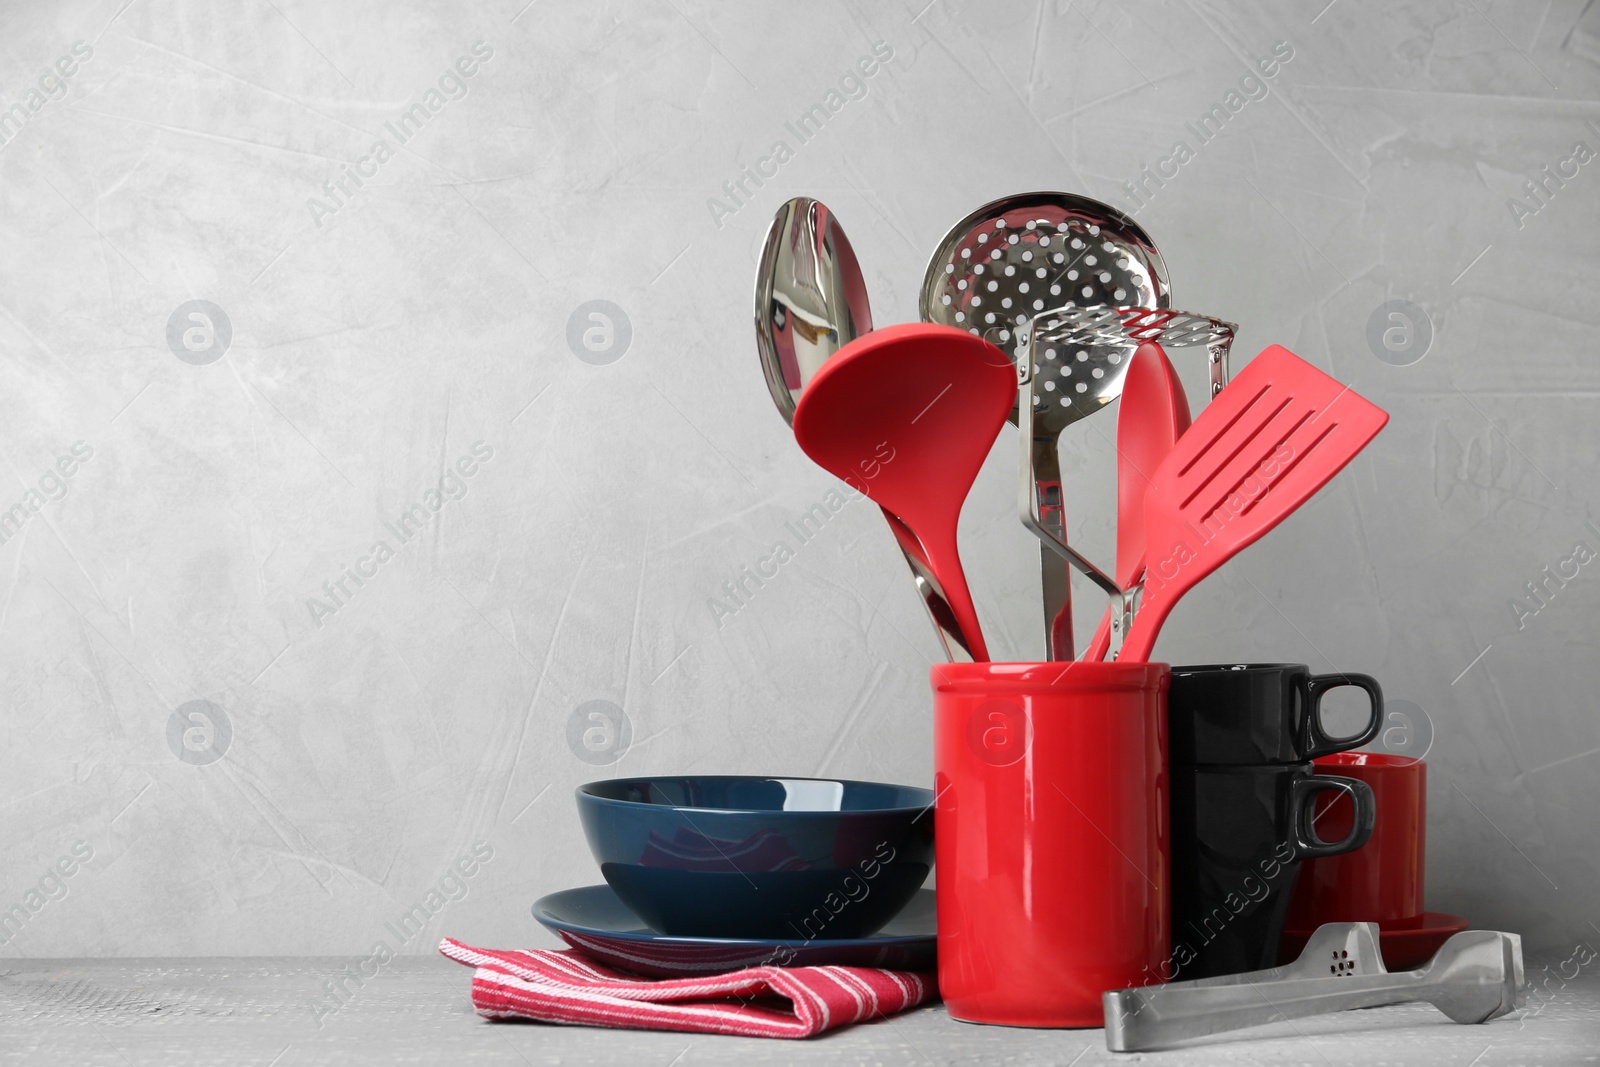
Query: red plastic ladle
[[906, 415]]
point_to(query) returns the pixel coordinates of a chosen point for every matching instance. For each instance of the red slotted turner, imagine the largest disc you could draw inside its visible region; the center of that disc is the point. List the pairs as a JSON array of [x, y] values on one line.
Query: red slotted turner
[[1278, 432]]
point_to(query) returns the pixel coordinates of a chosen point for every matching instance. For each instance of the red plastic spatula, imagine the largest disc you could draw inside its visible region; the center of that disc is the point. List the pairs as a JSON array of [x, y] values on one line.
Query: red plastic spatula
[[1154, 413], [907, 414], [1278, 432]]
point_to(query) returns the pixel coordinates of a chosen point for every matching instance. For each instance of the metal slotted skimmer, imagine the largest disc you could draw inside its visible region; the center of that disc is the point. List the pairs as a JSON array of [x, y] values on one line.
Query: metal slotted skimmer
[[1012, 260]]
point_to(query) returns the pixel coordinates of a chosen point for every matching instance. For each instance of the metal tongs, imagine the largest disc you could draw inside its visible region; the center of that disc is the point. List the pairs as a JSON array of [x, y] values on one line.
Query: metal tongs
[[1477, 975], [1114, 327]]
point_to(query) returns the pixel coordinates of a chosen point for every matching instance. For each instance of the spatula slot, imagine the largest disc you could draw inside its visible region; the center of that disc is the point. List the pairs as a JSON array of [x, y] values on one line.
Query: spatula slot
[[1202, 448], [1296, 457], [1250, 462], [1224, 452]]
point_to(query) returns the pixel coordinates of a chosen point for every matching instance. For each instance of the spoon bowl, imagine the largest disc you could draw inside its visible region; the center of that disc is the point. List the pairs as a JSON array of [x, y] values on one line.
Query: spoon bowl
[[811, 299]]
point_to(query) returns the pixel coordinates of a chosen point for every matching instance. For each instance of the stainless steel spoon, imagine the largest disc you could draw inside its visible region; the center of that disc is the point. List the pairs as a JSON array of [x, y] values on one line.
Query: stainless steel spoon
[[811, 301], [1005, 263]]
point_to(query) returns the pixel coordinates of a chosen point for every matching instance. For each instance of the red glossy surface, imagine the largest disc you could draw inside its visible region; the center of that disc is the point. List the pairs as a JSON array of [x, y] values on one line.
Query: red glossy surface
[[1382, 881], [1052, 837], [1152, 415], [1262, 447], [907, 415]]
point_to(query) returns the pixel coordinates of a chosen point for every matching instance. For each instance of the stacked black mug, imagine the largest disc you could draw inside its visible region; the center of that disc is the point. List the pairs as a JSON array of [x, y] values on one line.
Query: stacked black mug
[[1241, 738]]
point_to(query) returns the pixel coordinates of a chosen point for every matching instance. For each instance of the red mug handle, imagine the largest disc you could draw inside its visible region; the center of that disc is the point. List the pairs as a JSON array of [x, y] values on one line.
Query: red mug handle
[[1303, 832]]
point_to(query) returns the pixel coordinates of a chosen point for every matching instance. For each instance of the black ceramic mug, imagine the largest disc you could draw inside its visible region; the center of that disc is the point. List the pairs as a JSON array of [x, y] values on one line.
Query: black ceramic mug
[[1259, 713], [1238, 836]]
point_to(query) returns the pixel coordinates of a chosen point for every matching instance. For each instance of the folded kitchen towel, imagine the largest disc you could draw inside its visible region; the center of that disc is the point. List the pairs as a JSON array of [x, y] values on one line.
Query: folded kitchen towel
[[563, 987]]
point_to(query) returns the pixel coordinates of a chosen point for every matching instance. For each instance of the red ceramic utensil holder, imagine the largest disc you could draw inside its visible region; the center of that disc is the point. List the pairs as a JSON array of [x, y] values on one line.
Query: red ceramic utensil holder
[[1052, 837]]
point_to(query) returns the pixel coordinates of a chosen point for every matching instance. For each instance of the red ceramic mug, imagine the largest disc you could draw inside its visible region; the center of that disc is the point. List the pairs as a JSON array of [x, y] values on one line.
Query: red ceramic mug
[[1381, 881], [1052, 837]]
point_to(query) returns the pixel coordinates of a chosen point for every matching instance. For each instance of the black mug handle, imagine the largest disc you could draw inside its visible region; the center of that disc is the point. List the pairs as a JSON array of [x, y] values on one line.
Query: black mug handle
[[1319, 741], [1303, 799]]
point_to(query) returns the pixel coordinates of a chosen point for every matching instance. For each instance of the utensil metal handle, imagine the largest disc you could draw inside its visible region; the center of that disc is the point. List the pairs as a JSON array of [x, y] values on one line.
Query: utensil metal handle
[[1475, 976], [957, 648], [1055, 576], [1027, 487], [1139, 1019], [1352, 948]]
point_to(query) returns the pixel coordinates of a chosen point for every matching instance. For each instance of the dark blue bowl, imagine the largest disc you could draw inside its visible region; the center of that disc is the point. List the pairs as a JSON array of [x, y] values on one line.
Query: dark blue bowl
[[739, 856]]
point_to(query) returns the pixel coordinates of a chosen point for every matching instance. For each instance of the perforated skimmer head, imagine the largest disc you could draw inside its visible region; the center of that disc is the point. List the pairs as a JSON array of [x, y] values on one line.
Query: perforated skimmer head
[[1017, 257]]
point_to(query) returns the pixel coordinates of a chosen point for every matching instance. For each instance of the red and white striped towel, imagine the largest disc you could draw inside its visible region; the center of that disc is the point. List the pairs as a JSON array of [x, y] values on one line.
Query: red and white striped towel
[[563, 987]]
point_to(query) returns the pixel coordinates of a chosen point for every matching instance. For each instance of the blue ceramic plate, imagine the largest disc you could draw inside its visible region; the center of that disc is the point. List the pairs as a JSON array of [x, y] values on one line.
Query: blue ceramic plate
[[598, 924]]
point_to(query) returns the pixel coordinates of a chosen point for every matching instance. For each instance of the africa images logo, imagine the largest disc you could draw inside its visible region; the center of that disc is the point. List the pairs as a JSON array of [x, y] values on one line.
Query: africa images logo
[[739, 591], [52, 486], [50, 87], [455, 483], [854, 84], [341, 190], [1237, 502]]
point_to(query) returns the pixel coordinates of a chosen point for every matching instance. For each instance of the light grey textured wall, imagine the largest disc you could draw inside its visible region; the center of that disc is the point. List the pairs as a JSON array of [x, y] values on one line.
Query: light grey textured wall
[[382, 334]]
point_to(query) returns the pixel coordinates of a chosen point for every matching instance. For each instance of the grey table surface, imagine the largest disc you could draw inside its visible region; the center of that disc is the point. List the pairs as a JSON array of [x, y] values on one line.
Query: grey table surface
[[262, 1010]]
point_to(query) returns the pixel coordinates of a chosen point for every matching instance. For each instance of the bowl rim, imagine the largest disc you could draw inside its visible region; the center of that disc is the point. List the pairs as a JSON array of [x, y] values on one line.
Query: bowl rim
[[583, 794]]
